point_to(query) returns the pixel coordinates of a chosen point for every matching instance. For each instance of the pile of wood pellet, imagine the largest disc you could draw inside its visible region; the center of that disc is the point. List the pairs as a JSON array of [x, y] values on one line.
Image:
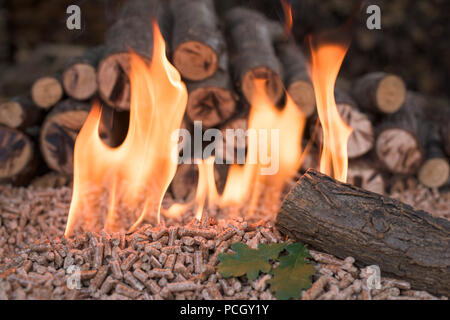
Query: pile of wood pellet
[[164, 262], [433, 200]]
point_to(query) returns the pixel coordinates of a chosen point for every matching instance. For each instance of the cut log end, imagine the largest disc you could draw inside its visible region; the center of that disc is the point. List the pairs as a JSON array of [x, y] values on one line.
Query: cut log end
[[113, 80], [211, 105], [80, 81], [195, 60], [390, 94], [58, 135], [302, 93], [363, 176], [380, 92], [11, 114], [16, 157], [362, 138], [434, 172], [20, 113], [399, 151], [274, 85], [46, 92]]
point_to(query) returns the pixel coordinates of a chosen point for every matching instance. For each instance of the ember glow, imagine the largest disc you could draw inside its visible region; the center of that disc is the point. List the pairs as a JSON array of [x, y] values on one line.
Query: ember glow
[[326, 60], [136, 175]]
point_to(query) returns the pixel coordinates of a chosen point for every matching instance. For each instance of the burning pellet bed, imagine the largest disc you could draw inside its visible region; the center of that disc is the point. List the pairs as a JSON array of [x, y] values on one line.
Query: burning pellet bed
[[130, 212], [165, 262]]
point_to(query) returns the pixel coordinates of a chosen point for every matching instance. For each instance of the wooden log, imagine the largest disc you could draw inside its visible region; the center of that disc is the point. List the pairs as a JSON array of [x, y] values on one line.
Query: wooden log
[[20, 113], [197, 41], [184, 183], [364, 174], [47, 91], [18, 160], [296, 78], [80, 76], [402, 137], [212, 100], [362, 138], [253, 55], [445, 136], [234, 140], [5, 34], [435, 170], [132, 31], [58, 133], [379, 92], [62, 125], [310, 157], [345, 220]]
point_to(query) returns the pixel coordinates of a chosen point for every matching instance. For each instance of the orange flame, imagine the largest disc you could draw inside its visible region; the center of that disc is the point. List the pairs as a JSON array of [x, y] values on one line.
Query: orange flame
[[326, 60], [288, 23], [274, 152], [135, 176]]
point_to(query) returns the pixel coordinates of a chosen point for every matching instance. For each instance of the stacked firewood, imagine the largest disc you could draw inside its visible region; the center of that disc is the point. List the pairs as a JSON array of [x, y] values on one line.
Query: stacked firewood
[[395, 132]]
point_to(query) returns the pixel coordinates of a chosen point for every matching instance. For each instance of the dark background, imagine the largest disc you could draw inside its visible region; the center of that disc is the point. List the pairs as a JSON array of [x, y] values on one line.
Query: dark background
[[413, 41]]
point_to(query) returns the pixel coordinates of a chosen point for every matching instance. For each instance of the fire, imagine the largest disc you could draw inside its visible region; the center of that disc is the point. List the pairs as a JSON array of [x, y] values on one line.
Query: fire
[[117, 188], [326, 59], [288, 23], [274, 152], [134, 176]]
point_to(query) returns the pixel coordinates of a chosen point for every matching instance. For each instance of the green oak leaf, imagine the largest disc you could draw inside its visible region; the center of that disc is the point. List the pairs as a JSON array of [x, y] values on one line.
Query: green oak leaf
[[293, 274], [248, 261]]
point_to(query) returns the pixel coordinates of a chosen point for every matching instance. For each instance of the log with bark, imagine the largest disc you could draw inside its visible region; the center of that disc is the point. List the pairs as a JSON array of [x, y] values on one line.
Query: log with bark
[[197, 41], [401, 138], [184, 183], [252, 52], [296, 78], [212, 100], [18, 159], [20, 113], [435, 170], [131, 31], [58, 133], [234, 140], [47, 91], [345, 220], [379, 92], [362, 138], [445, 136], [80, 75], [62, 125]]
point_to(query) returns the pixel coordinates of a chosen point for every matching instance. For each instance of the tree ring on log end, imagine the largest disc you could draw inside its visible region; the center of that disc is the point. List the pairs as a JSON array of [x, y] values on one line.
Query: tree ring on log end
[[274, 85], [80, 81], [390, 94], [113, 80], [11, 114], [17, 152], [302, 93], [195, 60], [434, 172], [399, 151], [58, 135], [210, 105], [46, 92]]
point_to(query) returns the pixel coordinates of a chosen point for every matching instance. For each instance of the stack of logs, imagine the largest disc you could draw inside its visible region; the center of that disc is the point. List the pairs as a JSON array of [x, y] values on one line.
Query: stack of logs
[[395, 132]]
